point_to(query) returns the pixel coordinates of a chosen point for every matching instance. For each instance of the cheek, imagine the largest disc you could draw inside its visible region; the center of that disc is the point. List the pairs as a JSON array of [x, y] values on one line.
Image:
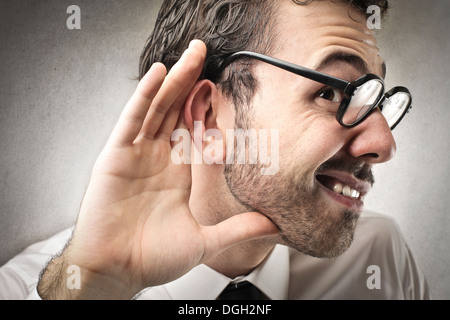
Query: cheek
[[308, 135], [308, 144]]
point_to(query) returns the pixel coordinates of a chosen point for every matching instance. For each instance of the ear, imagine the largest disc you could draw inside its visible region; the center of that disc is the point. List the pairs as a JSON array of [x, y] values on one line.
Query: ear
[[201, 111], [198, 104]]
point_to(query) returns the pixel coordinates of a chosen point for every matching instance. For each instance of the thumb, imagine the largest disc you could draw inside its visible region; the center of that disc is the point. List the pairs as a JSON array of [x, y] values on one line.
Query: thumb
[[239, 228]]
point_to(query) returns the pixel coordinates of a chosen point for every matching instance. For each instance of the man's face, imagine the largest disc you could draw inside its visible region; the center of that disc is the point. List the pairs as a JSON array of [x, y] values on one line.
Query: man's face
[[324, 169]]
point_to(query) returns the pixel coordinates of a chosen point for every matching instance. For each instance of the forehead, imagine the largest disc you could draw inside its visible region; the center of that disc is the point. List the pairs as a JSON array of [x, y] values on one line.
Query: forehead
[[308, 33]]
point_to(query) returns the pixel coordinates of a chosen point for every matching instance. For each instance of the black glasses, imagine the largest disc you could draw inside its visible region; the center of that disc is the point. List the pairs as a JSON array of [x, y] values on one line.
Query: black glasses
[[360, 97]]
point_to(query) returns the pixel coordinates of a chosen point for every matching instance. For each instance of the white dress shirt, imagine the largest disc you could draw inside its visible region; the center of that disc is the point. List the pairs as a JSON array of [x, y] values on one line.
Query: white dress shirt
[[378, 265]]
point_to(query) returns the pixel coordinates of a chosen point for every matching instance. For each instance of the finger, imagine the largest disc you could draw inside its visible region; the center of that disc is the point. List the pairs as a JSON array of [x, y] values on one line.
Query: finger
[[132, 117], [239, 228], [174, 91]]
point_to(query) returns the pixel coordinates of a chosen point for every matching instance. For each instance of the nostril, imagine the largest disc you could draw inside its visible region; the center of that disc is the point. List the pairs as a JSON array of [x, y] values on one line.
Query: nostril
[[372, 155]]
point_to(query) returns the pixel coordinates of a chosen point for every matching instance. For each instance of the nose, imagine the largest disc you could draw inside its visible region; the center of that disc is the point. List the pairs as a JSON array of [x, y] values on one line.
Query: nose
[[372, 140]]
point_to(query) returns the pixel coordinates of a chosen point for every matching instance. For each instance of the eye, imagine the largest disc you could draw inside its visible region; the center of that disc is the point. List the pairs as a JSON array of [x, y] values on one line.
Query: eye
[[331, 94]]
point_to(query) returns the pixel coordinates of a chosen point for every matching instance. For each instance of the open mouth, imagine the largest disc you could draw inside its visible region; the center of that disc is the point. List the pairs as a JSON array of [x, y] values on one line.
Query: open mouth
[[338, 186], [344, 188]]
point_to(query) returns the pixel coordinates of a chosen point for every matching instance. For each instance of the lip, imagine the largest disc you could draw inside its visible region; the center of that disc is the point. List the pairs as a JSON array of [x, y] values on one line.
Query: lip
[[363, 187]]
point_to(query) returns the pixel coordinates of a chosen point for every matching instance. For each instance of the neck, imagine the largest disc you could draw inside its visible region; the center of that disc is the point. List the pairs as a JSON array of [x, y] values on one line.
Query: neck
[[211, 202], [241, 259]]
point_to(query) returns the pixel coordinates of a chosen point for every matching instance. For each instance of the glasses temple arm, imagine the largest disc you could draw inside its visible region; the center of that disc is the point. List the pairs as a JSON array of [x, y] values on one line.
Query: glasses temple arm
[[301, 71]]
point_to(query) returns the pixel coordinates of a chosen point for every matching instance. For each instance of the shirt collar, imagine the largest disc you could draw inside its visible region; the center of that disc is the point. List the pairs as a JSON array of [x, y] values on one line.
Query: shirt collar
[[204, 283]]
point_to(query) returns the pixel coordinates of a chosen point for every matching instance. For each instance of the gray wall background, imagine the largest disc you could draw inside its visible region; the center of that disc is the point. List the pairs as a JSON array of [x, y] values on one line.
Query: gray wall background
[[61, 92]]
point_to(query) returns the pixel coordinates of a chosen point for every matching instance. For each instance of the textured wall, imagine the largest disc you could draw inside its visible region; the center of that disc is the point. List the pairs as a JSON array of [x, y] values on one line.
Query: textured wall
[[62, 90]]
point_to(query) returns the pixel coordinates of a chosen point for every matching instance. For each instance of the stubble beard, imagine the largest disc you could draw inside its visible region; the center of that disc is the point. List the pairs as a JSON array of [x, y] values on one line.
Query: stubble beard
[[306, 223]]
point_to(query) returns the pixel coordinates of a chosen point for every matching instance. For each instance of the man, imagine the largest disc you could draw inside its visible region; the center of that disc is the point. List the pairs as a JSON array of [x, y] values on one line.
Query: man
[[153, 227]]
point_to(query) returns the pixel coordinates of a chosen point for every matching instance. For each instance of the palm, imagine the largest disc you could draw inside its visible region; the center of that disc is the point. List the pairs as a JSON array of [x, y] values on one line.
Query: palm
[[149, 200]]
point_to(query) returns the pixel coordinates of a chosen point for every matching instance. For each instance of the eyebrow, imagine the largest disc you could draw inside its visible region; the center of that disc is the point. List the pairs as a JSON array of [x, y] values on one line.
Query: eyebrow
[[349, 58]]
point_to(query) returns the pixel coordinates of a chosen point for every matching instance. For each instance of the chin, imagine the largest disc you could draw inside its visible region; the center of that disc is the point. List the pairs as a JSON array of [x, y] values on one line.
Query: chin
[[325, 237]]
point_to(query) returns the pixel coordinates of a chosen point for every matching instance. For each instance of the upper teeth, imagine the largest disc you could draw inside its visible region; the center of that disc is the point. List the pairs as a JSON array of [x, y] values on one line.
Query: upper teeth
[[346, 190]]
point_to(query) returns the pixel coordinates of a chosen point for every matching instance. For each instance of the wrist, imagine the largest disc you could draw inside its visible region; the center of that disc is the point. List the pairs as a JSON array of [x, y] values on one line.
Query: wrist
[[64, 279]]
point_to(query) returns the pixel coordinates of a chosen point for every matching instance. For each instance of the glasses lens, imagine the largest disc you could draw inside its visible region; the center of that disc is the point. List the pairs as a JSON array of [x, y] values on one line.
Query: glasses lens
[[395, 107], [365, 97]]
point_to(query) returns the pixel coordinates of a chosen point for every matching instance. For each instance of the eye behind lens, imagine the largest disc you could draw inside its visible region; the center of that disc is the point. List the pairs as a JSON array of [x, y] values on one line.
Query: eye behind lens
[[364, 99]]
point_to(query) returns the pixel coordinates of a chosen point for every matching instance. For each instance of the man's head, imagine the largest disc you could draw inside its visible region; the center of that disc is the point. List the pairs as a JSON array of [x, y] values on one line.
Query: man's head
[[316, 197]]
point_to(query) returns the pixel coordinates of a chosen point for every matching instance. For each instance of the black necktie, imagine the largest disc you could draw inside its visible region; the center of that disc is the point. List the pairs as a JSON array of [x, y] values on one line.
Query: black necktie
[[241, 291]]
